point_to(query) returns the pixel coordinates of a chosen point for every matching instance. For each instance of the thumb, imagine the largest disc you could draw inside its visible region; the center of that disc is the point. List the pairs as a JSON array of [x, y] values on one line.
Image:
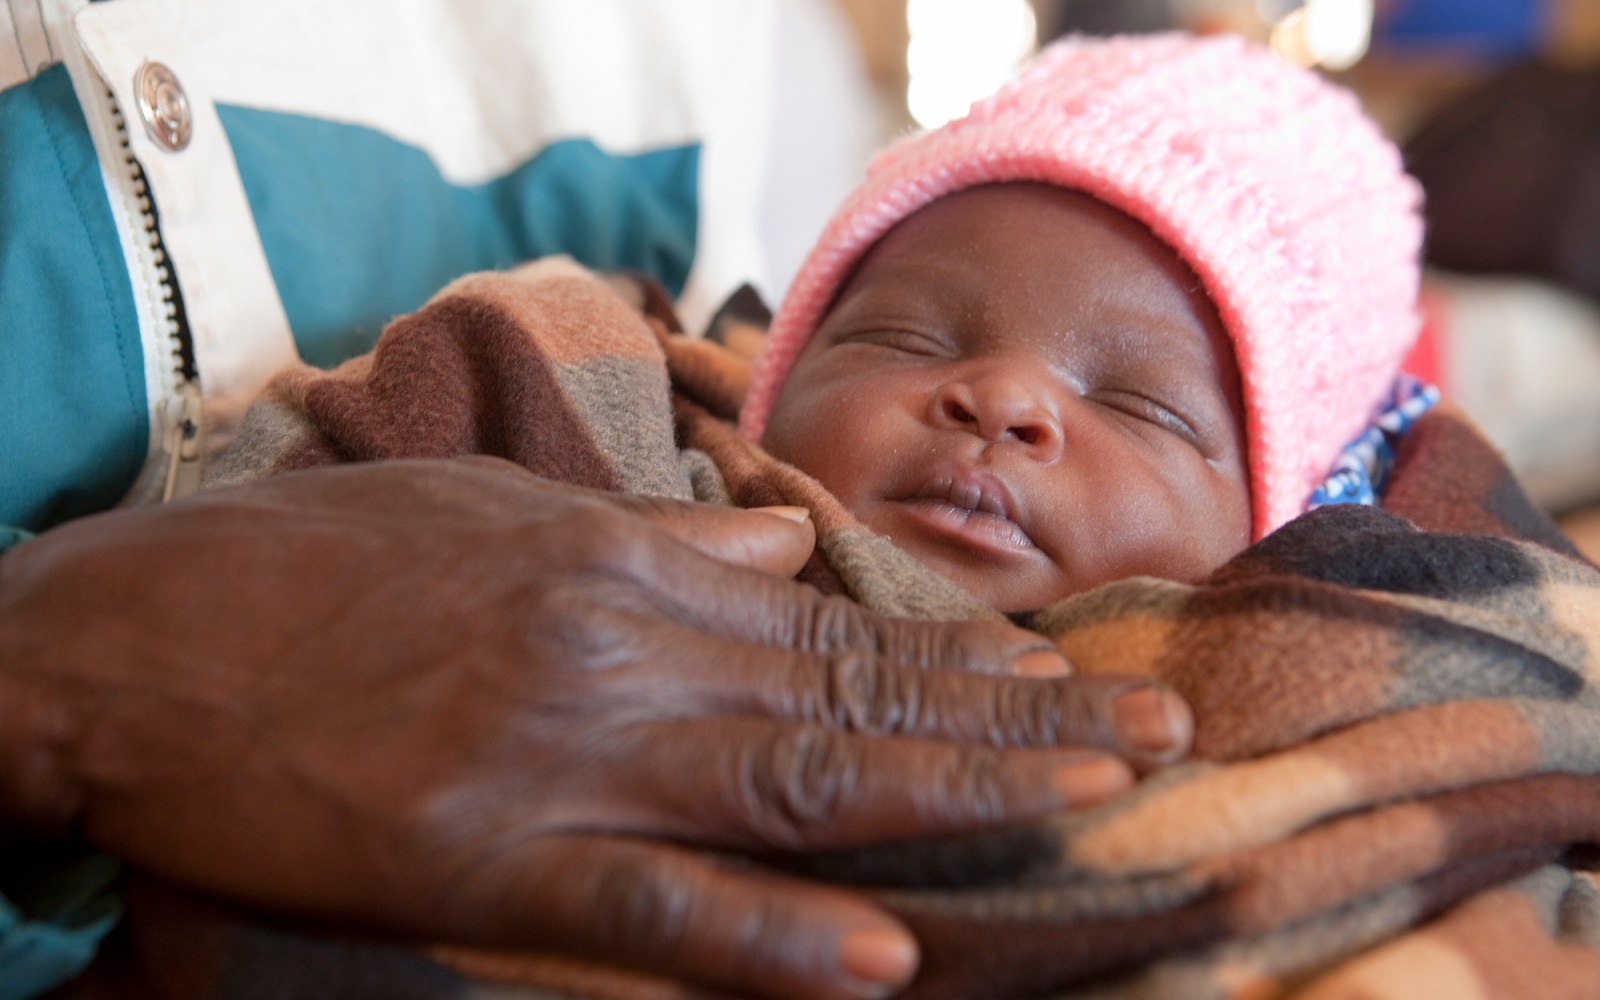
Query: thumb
[[776, 540]]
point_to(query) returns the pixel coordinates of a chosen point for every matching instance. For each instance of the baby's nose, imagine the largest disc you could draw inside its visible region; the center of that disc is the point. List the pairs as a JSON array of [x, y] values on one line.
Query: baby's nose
[[1001, 408]]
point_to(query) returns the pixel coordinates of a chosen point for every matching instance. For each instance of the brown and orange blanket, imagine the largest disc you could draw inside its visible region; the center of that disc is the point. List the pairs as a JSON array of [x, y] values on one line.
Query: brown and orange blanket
[[1396, 776]]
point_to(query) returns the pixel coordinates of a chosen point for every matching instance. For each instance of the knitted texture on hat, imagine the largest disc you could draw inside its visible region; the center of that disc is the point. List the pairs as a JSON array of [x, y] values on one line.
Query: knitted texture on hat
[[1275, 188]]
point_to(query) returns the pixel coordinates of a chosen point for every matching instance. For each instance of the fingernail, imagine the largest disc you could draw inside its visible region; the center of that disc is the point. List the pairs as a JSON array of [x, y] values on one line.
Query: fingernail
[[799, 515], [1152, 719], [880, 960], [1041, 663], [1086, 782]]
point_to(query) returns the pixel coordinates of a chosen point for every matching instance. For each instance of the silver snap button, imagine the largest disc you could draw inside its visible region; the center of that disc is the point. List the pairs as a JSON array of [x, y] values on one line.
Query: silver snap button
[[163, 106]]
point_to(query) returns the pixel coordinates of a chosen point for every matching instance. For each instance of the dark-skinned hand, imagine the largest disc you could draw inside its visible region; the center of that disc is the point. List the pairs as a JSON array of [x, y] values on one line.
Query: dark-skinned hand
[[453, 700]]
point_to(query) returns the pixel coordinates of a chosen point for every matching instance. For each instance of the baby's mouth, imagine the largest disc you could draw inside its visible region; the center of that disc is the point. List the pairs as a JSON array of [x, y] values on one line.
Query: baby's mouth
[[970, 507]]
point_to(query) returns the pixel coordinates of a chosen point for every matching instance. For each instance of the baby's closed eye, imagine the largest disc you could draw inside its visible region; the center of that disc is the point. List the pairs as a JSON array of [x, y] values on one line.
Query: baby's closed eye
[[904, 341], [1148, 409]]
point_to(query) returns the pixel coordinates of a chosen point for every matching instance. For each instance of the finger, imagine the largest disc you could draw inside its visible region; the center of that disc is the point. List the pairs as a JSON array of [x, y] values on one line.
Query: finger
[[863, 692], [743, 591], [774, 540], [663, 910], [715, 598], [758, 785]]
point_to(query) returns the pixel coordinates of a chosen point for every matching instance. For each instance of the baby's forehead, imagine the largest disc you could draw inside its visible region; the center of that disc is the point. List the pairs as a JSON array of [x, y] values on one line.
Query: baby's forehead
[[1011, 249], [1037, 222]]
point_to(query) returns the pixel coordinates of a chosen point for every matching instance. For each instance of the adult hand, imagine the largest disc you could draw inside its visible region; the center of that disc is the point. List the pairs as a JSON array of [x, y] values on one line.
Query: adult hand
[[455, 700]]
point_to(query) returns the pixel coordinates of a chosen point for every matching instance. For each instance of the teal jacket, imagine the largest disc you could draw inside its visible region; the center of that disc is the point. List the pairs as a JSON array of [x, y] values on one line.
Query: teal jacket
[[74, 397]]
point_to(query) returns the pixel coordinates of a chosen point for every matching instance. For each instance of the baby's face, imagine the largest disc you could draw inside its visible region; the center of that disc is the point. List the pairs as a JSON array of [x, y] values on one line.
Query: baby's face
[[1029, 392]]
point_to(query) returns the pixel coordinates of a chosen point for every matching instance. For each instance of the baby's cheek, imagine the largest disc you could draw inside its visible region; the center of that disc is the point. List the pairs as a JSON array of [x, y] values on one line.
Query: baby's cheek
[[849, 439], [1229, 536], [785, 429], [1201, 521], [798, 437]]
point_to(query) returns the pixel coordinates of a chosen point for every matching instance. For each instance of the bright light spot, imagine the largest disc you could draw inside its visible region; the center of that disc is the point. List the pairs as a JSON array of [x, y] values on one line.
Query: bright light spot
[[962, 51], [1331, 33], [1338, 31]]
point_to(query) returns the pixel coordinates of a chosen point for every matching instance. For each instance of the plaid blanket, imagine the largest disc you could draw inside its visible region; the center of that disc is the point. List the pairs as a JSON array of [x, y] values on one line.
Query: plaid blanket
[[1397, 762]]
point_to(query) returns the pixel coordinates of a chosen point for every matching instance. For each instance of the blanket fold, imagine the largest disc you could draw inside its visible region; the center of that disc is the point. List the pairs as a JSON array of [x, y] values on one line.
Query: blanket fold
[[1397, 708]]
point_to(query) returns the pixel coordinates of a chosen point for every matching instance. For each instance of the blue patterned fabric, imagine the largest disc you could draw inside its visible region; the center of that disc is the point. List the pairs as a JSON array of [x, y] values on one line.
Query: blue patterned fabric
[[1359, 473]]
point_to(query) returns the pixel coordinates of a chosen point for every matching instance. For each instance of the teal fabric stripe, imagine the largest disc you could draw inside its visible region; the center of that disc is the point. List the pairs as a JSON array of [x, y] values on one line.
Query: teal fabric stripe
[[50, 933], [74, 419], [359, 227]]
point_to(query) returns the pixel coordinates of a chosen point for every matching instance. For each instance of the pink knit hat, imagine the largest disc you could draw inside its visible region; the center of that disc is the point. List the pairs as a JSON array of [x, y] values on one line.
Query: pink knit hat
[[1283, 197]]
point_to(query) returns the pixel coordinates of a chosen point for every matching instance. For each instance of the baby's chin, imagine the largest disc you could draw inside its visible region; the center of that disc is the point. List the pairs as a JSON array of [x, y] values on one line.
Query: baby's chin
[[1012, 600], [1005, 589], [1015, 591]]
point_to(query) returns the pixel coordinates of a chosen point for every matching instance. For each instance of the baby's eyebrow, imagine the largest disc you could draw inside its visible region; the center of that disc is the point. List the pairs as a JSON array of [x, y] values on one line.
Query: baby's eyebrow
[[1128, 337], [1162, 329]]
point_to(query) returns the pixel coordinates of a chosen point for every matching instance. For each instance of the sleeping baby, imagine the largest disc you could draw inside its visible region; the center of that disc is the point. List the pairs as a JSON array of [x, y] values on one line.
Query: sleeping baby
[[1118, 321], [1027, 391]]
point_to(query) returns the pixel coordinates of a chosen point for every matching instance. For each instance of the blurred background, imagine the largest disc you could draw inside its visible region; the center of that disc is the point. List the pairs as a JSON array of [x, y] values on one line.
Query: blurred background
[[1495, 103]]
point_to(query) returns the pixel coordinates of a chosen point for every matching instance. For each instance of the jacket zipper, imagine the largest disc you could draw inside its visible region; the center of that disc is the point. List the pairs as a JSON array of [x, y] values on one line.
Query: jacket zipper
[[180, 411]]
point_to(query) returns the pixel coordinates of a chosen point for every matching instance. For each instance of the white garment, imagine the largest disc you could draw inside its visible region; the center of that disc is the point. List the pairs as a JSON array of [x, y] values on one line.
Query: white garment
[[480, 85]]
